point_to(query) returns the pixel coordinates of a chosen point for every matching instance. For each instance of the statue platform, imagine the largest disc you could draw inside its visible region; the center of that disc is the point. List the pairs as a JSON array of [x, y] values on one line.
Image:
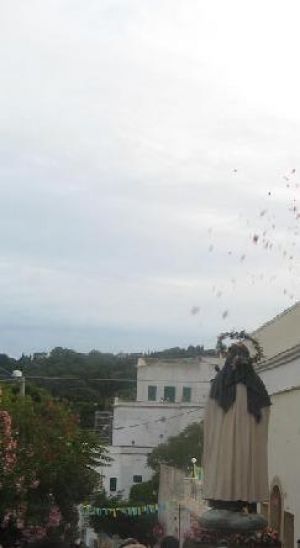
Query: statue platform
[[232, 522]]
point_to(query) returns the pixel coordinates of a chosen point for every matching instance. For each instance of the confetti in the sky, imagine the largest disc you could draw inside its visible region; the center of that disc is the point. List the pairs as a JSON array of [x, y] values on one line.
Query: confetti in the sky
[[267, 235]]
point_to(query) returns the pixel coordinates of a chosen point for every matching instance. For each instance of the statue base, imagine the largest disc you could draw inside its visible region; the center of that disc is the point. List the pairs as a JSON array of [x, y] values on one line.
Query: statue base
[[232, 522]]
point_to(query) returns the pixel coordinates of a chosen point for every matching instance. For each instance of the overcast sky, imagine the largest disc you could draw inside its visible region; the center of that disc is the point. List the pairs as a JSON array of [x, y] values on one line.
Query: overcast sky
[[143, 145]]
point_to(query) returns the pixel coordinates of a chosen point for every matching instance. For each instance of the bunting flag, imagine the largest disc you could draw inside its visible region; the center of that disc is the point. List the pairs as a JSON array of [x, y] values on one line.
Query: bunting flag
[[131, 511]]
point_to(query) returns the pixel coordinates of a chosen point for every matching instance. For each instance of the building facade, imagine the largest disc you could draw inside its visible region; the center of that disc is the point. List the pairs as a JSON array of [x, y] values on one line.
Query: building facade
[[280, 371], [171, 394]]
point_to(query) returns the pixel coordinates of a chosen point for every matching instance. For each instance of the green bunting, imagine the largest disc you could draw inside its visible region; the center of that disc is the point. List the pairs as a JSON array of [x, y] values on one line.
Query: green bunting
[[127, 510]]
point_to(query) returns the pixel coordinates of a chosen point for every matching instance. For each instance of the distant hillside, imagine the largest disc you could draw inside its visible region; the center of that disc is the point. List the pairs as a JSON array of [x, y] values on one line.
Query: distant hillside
[[88, 381]]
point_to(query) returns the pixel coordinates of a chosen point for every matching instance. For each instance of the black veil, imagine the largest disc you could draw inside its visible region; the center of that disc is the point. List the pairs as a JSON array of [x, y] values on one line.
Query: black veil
[[238, 368]]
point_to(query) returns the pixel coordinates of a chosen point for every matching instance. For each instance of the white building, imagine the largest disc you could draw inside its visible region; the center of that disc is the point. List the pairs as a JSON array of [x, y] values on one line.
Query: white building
[[280, 372], [171, 395]]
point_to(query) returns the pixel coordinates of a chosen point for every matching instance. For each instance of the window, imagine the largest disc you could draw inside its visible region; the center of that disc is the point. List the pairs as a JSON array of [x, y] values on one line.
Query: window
[[137, 479], [169, 393], [152, 391], [113, 484], [186, 393]]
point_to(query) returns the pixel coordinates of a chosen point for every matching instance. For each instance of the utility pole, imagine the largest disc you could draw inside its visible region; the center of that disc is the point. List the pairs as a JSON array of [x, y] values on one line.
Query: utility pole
[[22, 387], [18, 375]]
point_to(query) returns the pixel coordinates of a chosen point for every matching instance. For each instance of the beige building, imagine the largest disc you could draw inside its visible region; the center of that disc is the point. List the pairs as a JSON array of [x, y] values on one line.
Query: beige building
[[280, 371]]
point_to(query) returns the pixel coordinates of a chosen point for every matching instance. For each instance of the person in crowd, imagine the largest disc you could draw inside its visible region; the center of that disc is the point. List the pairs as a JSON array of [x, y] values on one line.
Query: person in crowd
[[169, 542], [49, 543], [131, 543]]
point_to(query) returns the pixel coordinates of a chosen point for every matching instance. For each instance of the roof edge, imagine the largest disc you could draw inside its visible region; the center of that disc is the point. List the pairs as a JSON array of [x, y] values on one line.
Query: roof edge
[[277, 317]]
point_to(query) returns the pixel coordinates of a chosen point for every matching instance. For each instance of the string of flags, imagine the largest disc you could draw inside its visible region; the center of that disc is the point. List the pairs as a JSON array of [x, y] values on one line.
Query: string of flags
[[89, 510]]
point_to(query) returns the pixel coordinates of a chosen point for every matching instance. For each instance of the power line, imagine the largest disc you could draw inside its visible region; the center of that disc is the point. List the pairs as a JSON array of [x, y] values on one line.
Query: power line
[[161, 419], [113, 379], [36, 377]]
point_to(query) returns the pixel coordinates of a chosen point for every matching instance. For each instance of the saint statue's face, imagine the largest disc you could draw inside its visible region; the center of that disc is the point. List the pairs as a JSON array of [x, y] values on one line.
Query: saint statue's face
[[237, 354]]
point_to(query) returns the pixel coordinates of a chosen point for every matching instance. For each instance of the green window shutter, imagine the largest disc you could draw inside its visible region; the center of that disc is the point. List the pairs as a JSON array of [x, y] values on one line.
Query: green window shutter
[[113, 484], [169, 393], [186, 394], [152, 392]]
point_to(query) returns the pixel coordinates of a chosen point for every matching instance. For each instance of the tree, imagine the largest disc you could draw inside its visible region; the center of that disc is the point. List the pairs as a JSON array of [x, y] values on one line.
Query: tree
[[47, 466], [179, 450], [145, 492]]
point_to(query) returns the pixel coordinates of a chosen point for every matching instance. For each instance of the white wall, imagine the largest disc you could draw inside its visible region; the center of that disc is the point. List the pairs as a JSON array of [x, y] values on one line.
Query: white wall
[[280, 338], [190, 372], [126, 463], [149, 424], [284, 450], [283, 377], [280, 333]]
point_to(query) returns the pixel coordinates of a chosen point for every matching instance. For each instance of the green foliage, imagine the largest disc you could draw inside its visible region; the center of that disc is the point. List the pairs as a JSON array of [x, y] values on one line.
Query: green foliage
[[145, 492], [179, 450], [70, 375], [177, 352], [46, 460]]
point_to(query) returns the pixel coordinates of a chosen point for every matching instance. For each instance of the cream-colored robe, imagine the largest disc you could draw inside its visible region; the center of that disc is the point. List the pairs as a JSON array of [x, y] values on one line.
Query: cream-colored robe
[[235, 458]]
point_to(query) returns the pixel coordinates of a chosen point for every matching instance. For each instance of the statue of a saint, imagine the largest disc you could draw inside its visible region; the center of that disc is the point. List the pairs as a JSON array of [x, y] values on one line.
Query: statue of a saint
[[235, 458]]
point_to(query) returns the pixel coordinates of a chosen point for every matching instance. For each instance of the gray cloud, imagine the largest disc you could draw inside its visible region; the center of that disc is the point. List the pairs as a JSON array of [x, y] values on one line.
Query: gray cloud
[[139, 145]]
